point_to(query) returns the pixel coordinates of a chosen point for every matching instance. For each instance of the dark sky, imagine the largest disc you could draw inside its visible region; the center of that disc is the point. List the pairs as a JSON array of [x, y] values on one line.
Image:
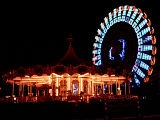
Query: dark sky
[[34, 33]]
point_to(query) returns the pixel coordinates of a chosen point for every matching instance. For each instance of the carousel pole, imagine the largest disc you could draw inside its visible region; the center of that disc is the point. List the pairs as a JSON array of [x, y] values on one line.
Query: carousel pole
[[129, 87], [23, 90], [19, 89], [125, 88], [13, 88], [111, 87], [11, 73], [116, 87], [103, 88], [36, 91]]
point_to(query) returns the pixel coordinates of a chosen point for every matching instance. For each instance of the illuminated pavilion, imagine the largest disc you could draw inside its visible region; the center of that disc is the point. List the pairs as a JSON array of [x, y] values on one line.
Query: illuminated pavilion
[[70, 76]]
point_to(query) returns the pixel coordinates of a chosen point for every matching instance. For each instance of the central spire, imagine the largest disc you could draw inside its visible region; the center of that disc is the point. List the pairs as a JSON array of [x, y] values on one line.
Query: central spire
[[71, 58], [70, 39]]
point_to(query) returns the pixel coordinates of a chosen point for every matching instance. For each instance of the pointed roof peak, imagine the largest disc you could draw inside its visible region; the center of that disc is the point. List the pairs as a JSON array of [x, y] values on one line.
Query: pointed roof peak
[[70, 39], [71, 58]]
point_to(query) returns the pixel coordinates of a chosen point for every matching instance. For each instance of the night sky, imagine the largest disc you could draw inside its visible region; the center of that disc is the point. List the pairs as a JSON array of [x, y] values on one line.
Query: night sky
[[35, 33]]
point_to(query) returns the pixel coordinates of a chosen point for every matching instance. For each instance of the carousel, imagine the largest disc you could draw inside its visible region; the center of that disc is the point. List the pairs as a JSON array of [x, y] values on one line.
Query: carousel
[[69, 78]]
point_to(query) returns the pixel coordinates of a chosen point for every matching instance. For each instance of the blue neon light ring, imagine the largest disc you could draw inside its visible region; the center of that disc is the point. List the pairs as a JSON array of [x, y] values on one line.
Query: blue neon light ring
[[142, 26]]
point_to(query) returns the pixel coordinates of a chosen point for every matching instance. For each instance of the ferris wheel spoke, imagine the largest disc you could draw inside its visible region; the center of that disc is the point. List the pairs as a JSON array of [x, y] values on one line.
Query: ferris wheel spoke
[[143, 32], [140, 73], [133, 16], [144, 65], [141, 25], [144, 39], [145, 48], [130, 11], [143, 56]]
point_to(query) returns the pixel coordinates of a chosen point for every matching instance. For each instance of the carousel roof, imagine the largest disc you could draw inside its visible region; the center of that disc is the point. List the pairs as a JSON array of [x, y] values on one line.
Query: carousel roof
[[71, 58]]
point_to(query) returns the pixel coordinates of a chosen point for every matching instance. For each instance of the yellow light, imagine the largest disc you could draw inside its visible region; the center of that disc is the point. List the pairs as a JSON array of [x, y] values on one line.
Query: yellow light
[[57, 75], [27, 76], [113, 75], [57, 87], [69, 87], [83, 75], [50, 81], [81, 84]]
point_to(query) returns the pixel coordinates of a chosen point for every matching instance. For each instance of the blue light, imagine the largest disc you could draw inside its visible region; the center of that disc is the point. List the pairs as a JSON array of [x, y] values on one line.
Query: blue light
[[139, 55], [98, 63], [137, 20], [140, 73], [127, 19], [144, 48], [146, 57], [100, 33], [133, 16], [137, 80], [124, 11], [146, 39], [103, 28], [137, 62], [95, 58], [114, 13], [143, 32], [142, 24], [139, 17], [124, 14], [97, 45], [115, 16], [94, 52], [135, 68], [144, 65], [100, 40], [98, 51], [106, 21], [143, 56], [129, 12], [110, 17], [123, 48], [75, 88], [146, 30], [119, 11], [134, 25], [105, 87], [110, 54]]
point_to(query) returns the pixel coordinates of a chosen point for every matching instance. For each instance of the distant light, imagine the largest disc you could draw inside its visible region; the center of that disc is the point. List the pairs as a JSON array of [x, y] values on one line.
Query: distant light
[[7, 96]]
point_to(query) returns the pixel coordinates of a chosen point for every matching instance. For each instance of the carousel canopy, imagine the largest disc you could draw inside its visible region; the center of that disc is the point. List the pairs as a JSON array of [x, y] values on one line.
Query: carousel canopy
[[71, 58]]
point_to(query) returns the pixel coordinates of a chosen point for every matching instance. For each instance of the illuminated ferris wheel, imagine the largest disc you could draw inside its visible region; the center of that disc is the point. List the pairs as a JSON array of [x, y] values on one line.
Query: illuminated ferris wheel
[[145, 41]]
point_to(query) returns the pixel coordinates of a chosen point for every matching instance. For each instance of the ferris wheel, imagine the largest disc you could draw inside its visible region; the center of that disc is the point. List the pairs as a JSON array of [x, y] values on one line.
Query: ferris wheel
[[145, 41]]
